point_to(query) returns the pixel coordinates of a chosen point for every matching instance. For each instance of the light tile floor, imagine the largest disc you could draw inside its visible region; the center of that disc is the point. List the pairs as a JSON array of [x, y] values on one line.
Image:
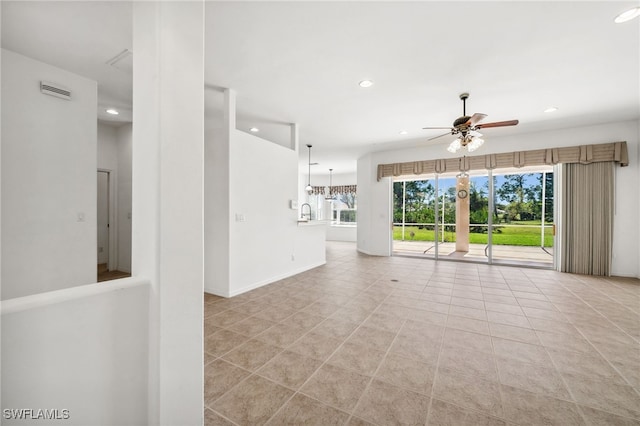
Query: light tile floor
[[375, 340]]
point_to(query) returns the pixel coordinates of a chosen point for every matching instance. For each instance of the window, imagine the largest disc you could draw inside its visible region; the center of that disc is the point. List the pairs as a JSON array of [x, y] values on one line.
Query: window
[[344, 209], [341, 209]]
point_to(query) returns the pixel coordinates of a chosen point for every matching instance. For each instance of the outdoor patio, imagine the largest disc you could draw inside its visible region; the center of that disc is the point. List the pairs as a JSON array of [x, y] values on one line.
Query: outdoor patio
[[525, 255]]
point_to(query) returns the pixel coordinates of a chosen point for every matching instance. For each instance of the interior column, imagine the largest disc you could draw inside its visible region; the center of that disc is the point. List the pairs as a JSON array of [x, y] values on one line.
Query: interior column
[[167, 202], [462, 213]]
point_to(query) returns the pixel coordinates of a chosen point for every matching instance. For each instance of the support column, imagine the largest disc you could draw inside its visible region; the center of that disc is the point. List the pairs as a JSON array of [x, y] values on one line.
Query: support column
[[462, 214], [167, 202], [217, 214]]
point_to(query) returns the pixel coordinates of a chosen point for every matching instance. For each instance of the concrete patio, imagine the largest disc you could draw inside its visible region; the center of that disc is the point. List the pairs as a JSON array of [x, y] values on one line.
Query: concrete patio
[[526, 255]]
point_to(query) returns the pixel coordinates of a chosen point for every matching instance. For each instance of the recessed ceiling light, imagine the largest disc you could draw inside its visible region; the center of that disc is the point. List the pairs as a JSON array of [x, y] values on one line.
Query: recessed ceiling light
[[551, 109], [112, 111], [366, 83], [254, 129], [403, 132], [627, 15]]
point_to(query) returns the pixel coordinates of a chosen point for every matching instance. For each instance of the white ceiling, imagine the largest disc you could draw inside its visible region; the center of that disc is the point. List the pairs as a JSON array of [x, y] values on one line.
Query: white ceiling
[[301, 62], [79, 36]]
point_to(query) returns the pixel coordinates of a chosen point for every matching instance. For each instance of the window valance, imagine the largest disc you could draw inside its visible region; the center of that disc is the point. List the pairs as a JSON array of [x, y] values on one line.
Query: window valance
[[343, 189], [584, 154], [335, 190], [317, 190]]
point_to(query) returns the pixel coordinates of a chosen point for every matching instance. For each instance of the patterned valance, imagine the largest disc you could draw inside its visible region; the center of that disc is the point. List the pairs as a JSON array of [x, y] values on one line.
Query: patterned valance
[[584, 154], [317, 190], [343, 189]]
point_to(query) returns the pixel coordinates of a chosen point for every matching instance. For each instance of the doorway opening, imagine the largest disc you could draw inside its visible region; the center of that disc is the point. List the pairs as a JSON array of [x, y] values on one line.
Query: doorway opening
[[106, 249]]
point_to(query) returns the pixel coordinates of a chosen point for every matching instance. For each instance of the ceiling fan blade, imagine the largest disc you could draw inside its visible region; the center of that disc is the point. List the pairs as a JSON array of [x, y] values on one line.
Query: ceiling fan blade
[[497, 124], [476, 118], [439, 136], [437, 128]]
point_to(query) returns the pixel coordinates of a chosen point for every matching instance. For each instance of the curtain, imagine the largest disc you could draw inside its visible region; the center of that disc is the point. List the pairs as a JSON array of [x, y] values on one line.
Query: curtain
[[587, 217]]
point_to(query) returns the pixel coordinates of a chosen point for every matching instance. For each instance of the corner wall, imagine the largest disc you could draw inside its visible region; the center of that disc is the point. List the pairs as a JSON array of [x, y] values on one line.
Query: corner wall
[[48, 179], [252, 236], [264, 246], [374, 209]]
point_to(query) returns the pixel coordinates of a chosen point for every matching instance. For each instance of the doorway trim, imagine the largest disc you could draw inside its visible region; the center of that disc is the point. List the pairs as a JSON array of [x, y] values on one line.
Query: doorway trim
[[112, 263]]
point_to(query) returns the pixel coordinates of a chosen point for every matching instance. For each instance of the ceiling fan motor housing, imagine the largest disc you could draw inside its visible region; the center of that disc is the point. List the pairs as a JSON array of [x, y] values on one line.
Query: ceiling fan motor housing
[[460, 121]]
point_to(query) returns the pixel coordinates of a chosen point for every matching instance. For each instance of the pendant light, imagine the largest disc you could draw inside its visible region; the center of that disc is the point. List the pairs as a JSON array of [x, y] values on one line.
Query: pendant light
[[309, 188], [330, 196]]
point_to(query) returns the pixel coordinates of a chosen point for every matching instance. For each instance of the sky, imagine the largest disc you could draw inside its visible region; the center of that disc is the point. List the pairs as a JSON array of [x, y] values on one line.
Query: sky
[[481, 182]]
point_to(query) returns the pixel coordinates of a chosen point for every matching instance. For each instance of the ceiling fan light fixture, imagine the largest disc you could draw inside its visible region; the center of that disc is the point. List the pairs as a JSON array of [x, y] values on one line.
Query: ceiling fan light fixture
[[455, 146], [475, 144], [627, 15]]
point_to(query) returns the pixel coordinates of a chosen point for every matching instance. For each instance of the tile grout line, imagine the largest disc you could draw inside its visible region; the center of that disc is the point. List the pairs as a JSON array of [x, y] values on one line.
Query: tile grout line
[[572, 288], [299, 391]]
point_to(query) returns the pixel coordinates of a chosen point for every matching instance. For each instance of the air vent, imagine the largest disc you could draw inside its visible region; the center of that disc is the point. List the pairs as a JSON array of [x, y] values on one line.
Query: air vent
[[54, 90]]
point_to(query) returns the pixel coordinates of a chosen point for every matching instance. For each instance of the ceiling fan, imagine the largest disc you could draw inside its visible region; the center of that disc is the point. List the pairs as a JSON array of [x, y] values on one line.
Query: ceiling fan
[[466, 127]]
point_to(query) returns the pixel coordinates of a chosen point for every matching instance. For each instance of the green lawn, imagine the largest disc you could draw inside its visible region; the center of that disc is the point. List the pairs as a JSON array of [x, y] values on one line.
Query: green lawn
[[506, 235]]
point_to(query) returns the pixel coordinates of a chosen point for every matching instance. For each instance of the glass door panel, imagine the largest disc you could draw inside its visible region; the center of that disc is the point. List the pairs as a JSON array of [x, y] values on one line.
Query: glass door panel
[[479, 217], [414, 217], [523, 223]]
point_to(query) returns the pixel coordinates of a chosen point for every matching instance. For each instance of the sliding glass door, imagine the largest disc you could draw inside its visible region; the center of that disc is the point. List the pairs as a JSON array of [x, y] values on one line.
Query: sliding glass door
[[500, 216], [414, 217], [523, 226]]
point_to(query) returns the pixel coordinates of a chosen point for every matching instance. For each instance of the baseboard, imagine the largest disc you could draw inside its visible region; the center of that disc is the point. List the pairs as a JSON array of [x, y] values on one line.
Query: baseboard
[[276, 278], [371, 254]]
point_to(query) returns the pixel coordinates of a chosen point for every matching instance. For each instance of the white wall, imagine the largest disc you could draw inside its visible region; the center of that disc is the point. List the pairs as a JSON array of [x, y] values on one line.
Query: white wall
[[375, 214], [374, 199], [84, 349], [268, 245], [216, 203], [342, 233], [48, 179], [114, 154], [123, 218], [252, 237]]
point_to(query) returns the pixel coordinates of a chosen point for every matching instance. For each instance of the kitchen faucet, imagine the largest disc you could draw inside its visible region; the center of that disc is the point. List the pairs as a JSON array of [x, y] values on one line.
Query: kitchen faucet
[[302, 213]]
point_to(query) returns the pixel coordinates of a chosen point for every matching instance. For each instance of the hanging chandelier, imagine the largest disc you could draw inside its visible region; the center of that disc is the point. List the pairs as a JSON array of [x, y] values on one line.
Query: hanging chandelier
[[331, 196], [309, 188]]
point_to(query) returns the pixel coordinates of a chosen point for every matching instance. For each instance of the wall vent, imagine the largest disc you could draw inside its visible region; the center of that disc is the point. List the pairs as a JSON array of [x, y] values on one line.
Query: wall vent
[[53, 89]]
